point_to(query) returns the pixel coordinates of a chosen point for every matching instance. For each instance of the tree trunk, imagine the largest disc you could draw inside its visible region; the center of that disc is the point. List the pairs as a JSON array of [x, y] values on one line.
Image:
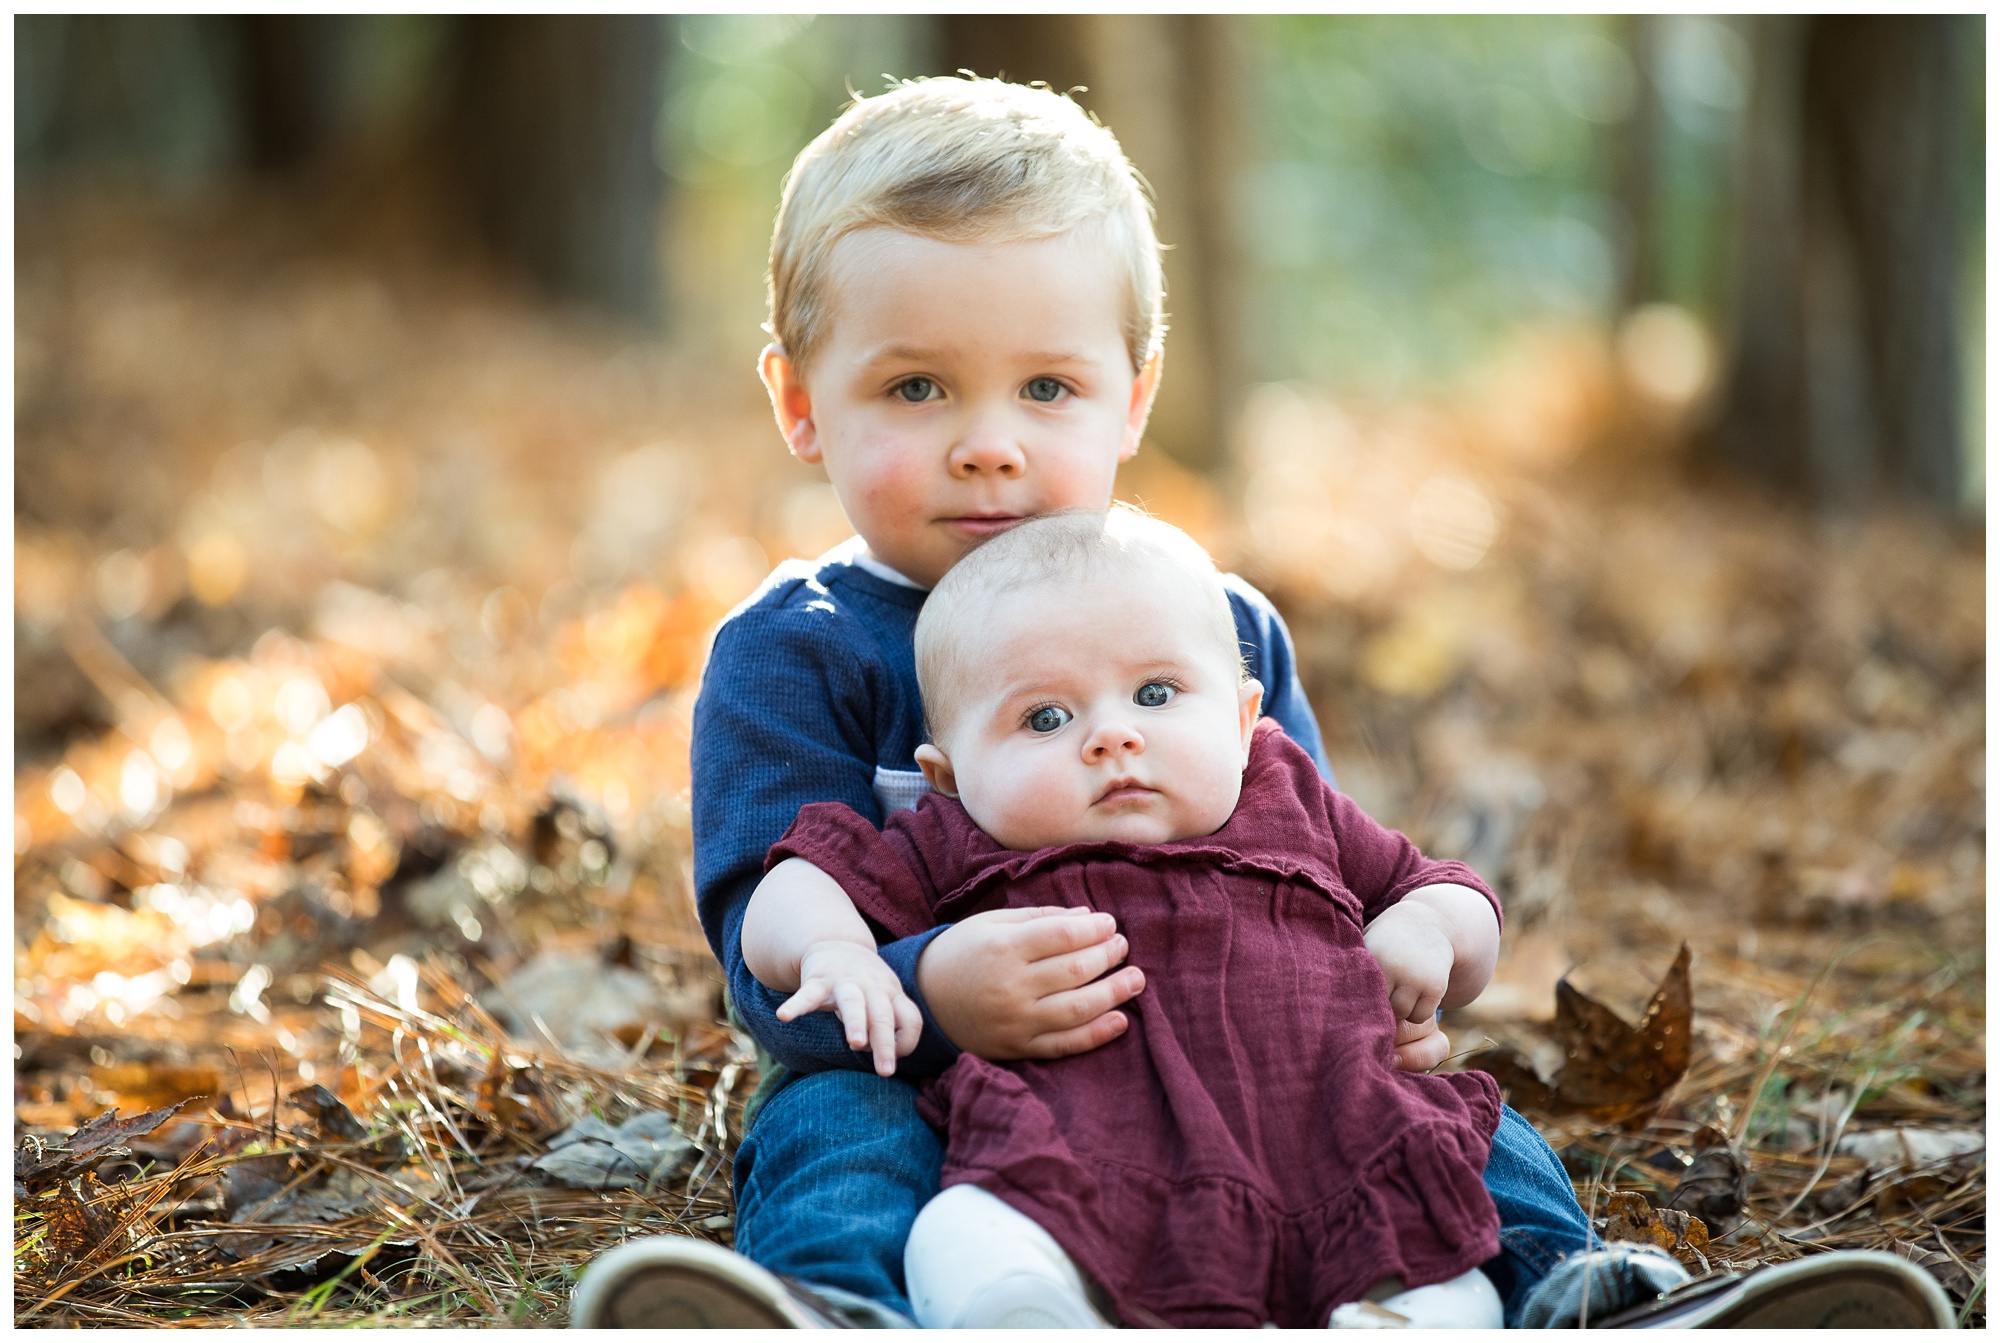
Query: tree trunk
[[556, 118], [1636, 165], [290, 65], [1845, 372]]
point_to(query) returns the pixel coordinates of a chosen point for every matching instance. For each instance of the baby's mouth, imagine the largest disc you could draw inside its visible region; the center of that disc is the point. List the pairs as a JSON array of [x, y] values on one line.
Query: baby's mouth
[[1124, 790]]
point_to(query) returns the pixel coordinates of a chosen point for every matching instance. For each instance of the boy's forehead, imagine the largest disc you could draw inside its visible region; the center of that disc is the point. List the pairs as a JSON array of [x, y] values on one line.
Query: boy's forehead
[[896, 293]]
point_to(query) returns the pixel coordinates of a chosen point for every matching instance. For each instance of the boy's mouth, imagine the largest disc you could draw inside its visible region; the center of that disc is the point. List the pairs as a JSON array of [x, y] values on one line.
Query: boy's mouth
[[982, 524]]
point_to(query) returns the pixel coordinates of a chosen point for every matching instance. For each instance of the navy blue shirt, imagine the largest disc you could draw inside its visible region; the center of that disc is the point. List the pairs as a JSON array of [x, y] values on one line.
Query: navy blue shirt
[[810, 695]]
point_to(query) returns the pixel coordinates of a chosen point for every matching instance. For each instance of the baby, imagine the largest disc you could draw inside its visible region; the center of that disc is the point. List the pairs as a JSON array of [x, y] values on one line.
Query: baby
[[1247, 1153]]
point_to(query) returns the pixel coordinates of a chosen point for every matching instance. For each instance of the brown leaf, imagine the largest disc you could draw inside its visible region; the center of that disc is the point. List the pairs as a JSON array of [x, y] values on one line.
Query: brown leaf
[[1519, 1082], [1631, 1218], [336, 1122], [1613, 1071], [107, 1129], [41, 1165], [1713, 1188]]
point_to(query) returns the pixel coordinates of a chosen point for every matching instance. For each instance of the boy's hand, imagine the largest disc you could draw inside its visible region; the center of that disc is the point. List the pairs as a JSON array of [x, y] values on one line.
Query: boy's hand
[[1411, 944], [1421, 1045], [859, 987], [1023, 983]]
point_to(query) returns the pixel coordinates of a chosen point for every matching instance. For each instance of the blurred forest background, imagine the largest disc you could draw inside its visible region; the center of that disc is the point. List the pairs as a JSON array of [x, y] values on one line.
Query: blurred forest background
[[1601, 399]]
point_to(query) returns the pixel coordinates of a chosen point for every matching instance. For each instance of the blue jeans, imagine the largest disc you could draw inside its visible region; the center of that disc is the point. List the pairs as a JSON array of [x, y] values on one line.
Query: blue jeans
[[837, 1165]]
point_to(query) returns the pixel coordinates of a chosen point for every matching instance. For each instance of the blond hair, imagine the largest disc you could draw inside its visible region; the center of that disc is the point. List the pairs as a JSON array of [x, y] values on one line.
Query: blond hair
[[1069, 546], [959, 160]]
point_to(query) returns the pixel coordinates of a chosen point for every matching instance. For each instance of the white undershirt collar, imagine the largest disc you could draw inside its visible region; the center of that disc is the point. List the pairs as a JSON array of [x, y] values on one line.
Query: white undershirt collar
[[860, 556]]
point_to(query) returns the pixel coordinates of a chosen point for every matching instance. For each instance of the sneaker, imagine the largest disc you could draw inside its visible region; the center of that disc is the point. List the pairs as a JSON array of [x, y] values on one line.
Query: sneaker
[[1593, 1285], [677, 1282], [1841, 1289]]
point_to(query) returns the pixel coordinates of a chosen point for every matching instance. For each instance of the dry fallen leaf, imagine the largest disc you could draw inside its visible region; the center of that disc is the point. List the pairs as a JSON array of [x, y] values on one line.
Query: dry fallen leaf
[[1714, 1186], [1631, 1218], [38, 1165], [639, 1153], [1612, 1071]]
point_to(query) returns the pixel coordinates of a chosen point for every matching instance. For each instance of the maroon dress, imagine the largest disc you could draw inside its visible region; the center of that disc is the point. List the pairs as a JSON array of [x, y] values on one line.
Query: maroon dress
[[1247, 1151]]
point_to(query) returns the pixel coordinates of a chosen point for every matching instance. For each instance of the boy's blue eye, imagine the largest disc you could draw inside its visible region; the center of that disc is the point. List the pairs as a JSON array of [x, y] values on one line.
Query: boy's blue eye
[[1048, 718], [916, 389], [1153, 694], [1043, 389]]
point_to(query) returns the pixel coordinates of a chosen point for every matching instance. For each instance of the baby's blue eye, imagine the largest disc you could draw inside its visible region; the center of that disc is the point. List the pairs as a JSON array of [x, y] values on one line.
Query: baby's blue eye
[[1043, 389], [916, 389], [1153, 694], [1048, 718]]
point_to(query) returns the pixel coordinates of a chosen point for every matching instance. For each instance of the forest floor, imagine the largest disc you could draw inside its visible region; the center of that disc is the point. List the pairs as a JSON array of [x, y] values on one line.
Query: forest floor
[[359, 605]]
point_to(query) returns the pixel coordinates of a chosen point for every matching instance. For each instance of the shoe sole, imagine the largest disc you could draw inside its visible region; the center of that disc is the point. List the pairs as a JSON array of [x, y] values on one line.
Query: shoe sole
[[1857, 1289], [668, 1282]]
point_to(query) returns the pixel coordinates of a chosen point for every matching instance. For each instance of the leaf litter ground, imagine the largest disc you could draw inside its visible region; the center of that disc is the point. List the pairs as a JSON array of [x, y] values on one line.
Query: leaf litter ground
[[359, 605]]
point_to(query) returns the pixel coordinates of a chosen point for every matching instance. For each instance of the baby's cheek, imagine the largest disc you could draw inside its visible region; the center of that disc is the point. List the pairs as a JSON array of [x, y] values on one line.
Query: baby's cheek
[[1217, 802]]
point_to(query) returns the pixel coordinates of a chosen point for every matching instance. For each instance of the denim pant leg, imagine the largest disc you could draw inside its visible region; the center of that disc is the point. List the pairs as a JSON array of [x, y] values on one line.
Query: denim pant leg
[[1540, 1219], [831, 1177]]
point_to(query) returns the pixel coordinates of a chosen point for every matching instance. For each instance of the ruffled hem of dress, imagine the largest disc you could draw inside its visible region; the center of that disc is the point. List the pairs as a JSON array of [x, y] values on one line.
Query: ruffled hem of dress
[[1352, 1241]]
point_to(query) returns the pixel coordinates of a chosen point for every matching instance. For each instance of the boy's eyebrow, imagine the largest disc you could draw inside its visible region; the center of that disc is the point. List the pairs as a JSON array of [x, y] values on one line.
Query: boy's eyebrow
[[920, 353]]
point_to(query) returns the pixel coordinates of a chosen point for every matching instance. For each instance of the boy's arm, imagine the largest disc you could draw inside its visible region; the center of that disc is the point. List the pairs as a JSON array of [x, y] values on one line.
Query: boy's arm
[[803, 936], [784, 719], [1268, 652]]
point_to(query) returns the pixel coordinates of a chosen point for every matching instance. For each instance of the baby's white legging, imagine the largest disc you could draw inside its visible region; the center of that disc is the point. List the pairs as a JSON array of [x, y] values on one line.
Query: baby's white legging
[[972, 1262]]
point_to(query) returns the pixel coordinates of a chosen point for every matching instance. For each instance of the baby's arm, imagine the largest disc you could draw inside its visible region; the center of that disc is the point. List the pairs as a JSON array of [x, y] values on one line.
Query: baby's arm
[[1431, 925], [1436, 947], [803, 936]]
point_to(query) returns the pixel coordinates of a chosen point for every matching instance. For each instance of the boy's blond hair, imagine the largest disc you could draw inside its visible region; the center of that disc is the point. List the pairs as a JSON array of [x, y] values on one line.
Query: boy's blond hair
[[1069, 546], [959, 160]]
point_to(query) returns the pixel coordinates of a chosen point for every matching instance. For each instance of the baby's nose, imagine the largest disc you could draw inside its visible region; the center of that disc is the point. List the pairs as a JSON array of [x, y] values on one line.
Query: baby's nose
[[1109, 739]]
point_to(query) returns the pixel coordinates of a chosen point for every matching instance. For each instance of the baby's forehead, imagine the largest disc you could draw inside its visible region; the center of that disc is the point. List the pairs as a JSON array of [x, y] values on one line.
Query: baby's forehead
[[1147, 599]]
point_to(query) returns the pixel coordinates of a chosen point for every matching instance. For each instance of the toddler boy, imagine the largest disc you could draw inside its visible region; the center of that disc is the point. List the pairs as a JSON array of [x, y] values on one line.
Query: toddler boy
[[966, 299]]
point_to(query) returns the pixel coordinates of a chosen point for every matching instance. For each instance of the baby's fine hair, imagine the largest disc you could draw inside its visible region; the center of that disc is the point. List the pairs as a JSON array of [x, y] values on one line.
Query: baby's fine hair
[[1060, 548], [960, 160]]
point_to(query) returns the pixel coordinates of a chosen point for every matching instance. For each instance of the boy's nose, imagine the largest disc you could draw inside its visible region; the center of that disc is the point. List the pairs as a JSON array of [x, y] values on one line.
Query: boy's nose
[[1112, 739], [986, 452]]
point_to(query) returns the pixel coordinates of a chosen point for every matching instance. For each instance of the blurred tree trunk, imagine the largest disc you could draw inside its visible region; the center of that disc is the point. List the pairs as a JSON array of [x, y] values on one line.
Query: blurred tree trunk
[[289, 90], [1845, 367], [555, 118], [1165, 86], [1636, 159]]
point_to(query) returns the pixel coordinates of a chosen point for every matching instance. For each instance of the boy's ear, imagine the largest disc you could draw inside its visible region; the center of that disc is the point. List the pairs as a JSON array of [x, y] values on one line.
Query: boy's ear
[[937, 770], [1144, 388], [790, 402], [1249, 700]]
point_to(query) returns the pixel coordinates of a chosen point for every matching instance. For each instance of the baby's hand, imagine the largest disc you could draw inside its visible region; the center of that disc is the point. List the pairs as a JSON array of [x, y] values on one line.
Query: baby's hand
[[1421, 1045], [858, 986], [1409, 941]]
